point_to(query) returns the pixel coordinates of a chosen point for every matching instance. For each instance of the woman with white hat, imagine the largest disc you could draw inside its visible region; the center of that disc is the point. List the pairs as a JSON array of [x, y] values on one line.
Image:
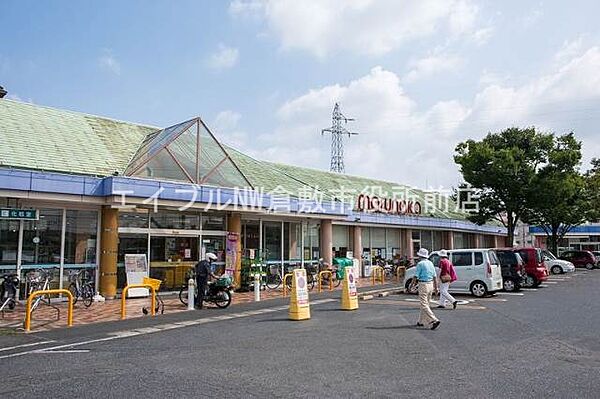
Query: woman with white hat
[[447, 277], [425, 273]]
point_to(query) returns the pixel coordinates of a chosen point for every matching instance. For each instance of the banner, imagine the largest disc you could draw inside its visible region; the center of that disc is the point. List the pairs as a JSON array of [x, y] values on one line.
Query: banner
[[231, 253]]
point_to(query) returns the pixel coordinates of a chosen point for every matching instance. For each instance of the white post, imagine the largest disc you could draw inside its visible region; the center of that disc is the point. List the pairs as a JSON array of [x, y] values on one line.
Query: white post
[[191, 293], [256, 287]]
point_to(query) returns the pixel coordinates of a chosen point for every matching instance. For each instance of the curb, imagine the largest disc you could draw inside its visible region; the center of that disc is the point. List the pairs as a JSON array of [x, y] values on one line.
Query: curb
[[383, 292]]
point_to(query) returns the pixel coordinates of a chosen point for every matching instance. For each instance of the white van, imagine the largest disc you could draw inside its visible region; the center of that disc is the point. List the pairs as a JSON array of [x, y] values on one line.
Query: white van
[[478, 271]]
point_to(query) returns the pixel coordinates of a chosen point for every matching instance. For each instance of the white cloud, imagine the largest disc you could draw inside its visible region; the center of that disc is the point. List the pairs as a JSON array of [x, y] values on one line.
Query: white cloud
[[533, 17], [109, 62], [225, 127], [371, 27], [431, 65], [569, 49], [401, 142], [224, 58]]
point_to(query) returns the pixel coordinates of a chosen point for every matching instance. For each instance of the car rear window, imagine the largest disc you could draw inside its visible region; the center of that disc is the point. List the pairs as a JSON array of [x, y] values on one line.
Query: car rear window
[[462, 259], [538, 256], [524, 255], [478, 258], [507, 257]]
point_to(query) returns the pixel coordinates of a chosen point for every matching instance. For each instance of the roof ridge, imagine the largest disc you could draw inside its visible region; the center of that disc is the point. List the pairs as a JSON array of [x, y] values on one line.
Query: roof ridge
[[62, 110]]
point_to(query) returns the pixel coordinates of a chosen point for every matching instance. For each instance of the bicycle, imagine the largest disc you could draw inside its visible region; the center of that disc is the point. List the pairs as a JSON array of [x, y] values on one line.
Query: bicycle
[[38, 280], [159, 305], [8, 291], [82, 286], [273, 278]]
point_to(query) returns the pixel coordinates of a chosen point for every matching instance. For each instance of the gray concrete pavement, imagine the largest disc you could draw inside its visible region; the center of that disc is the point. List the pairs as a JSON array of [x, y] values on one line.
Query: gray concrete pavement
[[541, 344]]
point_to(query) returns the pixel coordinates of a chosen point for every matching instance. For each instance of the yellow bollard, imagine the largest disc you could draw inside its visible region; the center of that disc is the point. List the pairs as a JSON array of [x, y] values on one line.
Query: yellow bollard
[[152, 301], [349, 294], [400, 270], [299, 305], [375, 270], [35, 294]]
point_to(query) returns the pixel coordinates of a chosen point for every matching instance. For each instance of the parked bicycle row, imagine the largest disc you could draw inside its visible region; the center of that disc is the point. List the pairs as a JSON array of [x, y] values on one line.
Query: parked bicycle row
[[81, 285]]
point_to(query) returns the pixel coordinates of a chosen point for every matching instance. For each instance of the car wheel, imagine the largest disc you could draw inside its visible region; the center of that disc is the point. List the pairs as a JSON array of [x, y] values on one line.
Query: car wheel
[[509, 285], [556, 270], [411, 288], [529, 282], [589, 266], [478, 289]]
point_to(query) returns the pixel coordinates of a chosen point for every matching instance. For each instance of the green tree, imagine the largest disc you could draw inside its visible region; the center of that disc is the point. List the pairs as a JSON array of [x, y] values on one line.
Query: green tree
[[559, 197], [593, 189], [500, 169]]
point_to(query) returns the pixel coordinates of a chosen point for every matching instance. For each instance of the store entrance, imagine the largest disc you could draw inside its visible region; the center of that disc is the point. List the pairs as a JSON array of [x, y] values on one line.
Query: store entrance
[[171, 257]]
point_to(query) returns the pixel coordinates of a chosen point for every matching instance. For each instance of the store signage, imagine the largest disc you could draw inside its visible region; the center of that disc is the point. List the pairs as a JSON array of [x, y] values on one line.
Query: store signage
[[19, 214], [368, 203]]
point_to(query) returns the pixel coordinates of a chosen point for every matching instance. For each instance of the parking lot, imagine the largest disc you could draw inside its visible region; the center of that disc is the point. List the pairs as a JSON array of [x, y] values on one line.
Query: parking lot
[[536, 343]]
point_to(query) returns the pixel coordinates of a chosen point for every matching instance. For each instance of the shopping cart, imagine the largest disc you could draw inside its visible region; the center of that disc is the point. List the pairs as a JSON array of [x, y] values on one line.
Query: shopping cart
[[160, 305]]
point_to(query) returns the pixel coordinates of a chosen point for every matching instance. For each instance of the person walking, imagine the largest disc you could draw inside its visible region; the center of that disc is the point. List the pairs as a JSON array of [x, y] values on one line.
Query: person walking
[[203, 270], [425, 273], [447, 277]]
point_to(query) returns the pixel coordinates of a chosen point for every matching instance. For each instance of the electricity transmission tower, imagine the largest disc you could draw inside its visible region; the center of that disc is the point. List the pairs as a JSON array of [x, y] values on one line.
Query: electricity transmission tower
[[337, 130]]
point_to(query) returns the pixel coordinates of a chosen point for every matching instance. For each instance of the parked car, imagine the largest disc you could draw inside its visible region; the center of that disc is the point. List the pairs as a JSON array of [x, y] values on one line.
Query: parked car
[[597, 255], [513, 270], [580, 258], [555, 265], [478, 271], [534, 266]]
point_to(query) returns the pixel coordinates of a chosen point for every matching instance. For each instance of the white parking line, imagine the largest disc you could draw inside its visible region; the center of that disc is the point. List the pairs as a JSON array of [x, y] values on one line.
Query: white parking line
[[143, 331], [510, 293], [9, 348], [529, 289], [551, 282]]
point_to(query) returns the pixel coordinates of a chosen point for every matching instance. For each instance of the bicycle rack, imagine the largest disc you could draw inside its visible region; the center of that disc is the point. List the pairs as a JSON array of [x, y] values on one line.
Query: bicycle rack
[[321, 274], [377, 270], [35, 294], [124, 296], [290, 275]]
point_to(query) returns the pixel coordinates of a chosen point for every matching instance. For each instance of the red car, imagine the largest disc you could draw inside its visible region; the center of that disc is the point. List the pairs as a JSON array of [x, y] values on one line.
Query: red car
[[580, 258], [534, 266]]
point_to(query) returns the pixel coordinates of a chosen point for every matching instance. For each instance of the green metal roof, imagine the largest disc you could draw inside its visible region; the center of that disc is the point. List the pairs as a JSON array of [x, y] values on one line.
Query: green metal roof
[[42, 138]]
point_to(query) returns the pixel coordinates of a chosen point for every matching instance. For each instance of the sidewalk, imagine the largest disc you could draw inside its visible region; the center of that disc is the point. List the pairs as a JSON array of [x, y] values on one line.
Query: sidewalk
[[45, 317]]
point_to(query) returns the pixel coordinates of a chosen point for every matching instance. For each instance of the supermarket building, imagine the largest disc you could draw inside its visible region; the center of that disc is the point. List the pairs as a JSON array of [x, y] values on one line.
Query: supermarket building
[[82, 191]]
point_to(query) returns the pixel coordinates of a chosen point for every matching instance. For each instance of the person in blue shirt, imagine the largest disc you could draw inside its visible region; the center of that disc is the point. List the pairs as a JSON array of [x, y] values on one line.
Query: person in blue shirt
[[425, 273]]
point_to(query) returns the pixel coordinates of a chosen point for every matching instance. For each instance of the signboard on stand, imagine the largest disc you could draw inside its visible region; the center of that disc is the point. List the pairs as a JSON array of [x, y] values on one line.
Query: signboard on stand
[[231, 253], [299, 305], [136, 268], [349, 294]]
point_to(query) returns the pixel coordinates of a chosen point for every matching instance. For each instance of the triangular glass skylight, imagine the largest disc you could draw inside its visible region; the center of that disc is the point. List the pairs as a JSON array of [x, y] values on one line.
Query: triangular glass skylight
[[186, 152]]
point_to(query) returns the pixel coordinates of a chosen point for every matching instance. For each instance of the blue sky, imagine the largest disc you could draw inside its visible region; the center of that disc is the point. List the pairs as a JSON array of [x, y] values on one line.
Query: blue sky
[[418, 76]]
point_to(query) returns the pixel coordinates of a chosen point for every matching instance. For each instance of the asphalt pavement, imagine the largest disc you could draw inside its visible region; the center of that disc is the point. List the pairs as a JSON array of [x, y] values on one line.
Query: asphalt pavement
[[541, 344]]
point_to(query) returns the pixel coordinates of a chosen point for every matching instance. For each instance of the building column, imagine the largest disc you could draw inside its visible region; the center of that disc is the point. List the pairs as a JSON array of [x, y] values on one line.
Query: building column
[[234, 225], [109, 247], [326, 240], [407, 244], [357, 247], [449, 240]]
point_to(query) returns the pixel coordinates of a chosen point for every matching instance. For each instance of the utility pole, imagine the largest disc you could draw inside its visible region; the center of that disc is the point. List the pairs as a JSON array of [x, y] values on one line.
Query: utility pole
[[337, 130]]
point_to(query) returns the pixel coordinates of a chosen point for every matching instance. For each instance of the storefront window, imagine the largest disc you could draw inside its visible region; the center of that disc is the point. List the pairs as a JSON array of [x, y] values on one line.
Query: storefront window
[[42, 238], [175, 221], [293, 236], [9, 242], [171, 257], [340, 241], [378, 249], [133, 219], [80, 237], [129, 244], [213, 221], [392, 237], [458, 239], [312, 245], [251, 237], [426, 239], [216, 245], [438, 240], [272, 240], [366, 243]]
